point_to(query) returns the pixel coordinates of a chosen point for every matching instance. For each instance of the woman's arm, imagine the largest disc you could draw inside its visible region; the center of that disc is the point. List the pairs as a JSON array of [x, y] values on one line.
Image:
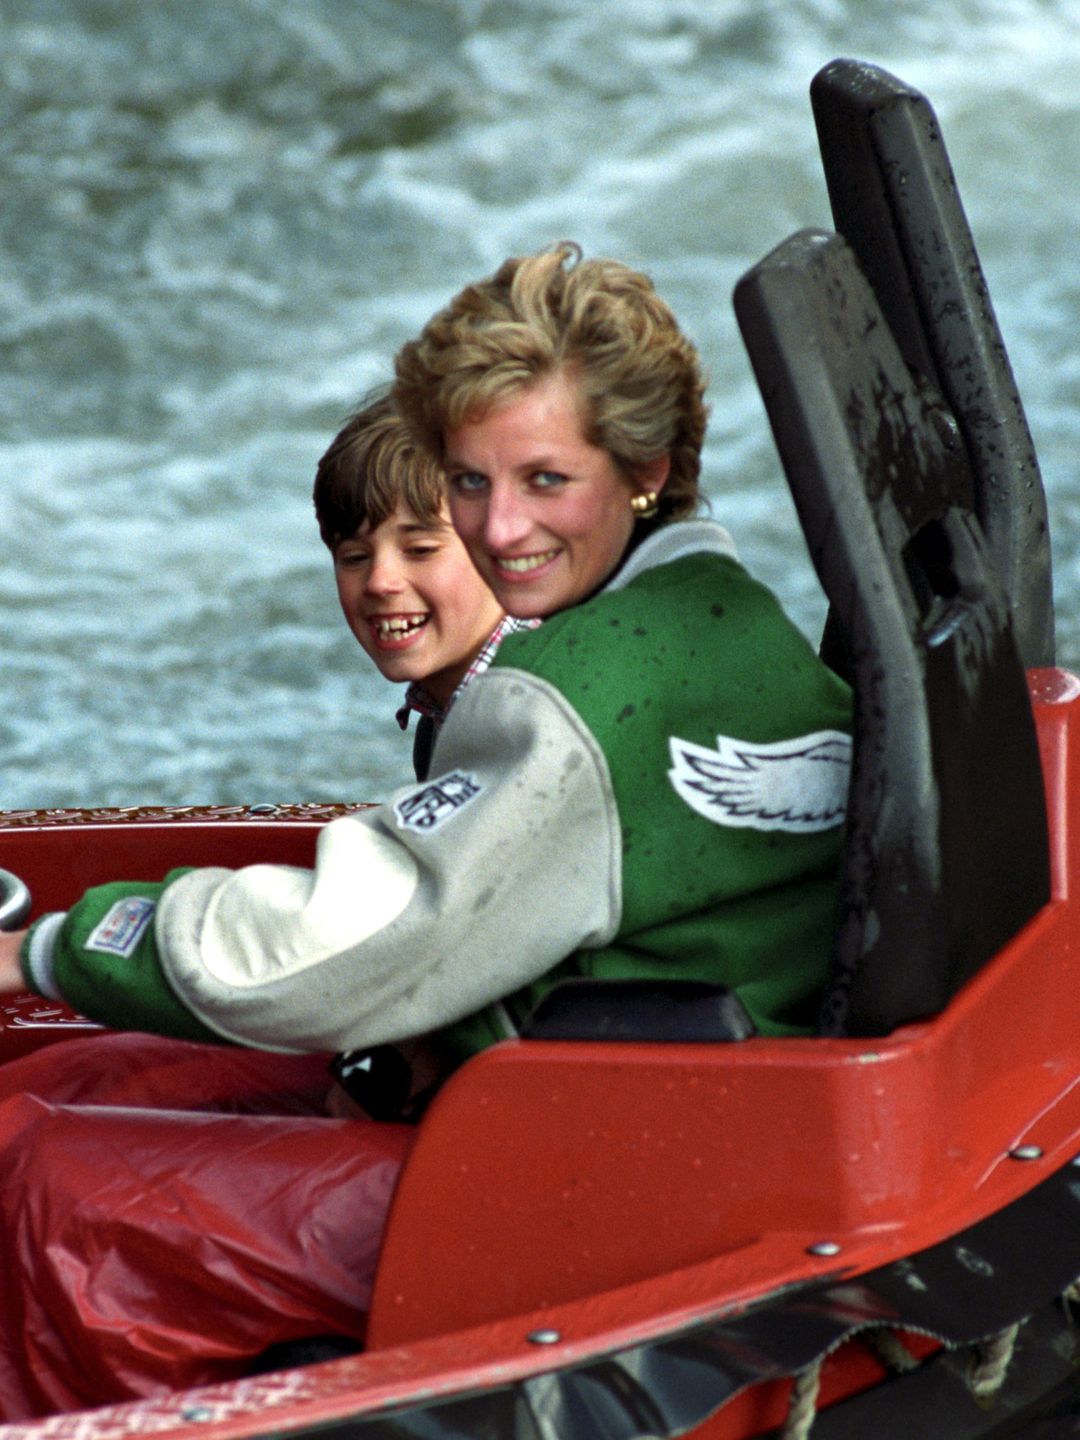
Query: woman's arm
[[454, 893]]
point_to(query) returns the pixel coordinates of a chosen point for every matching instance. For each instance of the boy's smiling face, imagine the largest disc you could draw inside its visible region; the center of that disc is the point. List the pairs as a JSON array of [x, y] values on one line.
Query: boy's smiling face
[[412, 597]]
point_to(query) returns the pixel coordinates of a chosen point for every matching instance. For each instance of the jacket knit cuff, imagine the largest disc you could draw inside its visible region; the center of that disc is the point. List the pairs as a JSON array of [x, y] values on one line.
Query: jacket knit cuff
[[37, 954]]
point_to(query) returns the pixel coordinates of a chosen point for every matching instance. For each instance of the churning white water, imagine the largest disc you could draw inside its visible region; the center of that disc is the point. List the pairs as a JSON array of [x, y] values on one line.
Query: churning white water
[[220, 218]]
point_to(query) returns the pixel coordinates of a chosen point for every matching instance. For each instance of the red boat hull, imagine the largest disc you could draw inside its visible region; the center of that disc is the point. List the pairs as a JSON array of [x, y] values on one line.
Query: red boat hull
[[569, 1201]]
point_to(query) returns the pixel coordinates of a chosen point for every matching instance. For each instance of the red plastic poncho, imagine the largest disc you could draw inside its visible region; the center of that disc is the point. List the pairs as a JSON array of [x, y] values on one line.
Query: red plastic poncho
[[169, 1210]]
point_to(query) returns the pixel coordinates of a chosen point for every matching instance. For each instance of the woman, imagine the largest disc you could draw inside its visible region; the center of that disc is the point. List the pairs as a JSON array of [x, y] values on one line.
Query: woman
[[652, 783], [566, 408]]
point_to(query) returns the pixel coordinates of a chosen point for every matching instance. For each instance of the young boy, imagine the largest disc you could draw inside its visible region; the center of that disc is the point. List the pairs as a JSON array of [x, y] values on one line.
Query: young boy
[[414, 601], [408, 590], [417, 605]]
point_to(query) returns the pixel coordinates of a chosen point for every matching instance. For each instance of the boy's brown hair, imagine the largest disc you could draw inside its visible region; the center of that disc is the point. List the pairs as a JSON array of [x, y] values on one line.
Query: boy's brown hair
[[370, 467]]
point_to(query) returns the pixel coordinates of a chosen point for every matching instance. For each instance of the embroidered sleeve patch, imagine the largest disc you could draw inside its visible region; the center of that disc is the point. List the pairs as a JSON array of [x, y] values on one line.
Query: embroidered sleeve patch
[[122, 928], [435, 803], [798, 785]]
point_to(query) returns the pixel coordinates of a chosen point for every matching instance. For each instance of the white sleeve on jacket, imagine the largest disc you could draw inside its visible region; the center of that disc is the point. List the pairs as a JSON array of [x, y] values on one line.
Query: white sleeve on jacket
[[452, 894]]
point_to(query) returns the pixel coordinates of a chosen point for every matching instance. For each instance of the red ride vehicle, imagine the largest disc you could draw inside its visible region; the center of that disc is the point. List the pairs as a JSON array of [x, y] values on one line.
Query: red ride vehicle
[[640, 1220]]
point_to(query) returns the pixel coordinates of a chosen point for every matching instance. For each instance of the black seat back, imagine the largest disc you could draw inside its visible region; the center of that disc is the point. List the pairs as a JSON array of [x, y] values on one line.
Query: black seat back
[[895, 201], [946, 852]]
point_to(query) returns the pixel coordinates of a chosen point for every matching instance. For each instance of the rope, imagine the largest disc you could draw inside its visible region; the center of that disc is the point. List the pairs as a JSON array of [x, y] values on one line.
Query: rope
[[891, 1351], [803, 1405], [986, 1373]]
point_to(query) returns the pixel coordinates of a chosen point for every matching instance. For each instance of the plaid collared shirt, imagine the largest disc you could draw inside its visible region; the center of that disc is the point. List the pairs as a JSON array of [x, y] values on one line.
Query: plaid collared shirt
[[418, 699]]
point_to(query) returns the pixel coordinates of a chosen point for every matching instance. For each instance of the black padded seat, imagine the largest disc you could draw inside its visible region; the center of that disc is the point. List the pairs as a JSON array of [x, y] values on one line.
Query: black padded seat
[[946, 849], [895, 201]]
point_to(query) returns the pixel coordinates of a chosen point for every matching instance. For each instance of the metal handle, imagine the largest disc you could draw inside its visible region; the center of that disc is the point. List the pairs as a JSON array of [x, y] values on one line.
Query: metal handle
[[14, 901]]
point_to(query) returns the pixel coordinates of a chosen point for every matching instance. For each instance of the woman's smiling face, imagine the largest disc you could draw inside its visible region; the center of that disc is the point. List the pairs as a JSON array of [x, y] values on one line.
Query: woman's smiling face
[[544, 513]]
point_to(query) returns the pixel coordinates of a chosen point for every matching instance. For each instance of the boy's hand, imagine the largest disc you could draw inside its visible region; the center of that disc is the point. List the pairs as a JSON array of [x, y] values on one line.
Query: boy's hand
[[11, 977]]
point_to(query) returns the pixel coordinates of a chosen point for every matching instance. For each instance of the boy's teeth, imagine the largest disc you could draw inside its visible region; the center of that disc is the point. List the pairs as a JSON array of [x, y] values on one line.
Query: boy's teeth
[[399, 624], [521, 563]]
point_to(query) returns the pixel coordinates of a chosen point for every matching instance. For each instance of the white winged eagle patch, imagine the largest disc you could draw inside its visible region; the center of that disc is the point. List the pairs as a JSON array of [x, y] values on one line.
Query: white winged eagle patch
[[798, 785]]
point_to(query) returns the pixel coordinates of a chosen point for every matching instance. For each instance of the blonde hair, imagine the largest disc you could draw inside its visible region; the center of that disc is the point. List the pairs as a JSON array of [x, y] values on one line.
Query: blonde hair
[[371, 466], [639, 377]]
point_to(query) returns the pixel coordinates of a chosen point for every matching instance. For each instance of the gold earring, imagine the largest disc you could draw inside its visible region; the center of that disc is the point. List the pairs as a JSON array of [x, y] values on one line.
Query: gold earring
[[644, 505]]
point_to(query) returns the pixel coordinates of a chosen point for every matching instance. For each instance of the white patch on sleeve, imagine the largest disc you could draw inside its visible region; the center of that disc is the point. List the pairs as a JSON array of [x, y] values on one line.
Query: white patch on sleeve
[[122, 928], [437, 802], [797, 785]]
